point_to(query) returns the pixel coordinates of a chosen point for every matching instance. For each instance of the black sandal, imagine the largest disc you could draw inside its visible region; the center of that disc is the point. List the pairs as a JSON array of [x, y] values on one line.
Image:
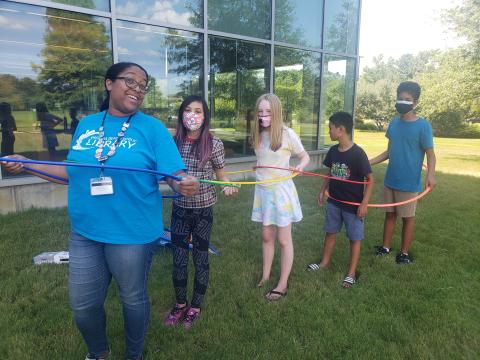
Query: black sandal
[[275, 292]]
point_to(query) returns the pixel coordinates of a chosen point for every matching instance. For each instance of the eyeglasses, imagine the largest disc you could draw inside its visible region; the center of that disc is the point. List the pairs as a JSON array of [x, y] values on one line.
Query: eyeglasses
[[133, 84]]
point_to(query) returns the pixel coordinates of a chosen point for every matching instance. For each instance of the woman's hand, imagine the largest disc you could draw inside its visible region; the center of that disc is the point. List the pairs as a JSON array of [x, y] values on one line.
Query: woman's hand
[[14, 167], [188, 186]]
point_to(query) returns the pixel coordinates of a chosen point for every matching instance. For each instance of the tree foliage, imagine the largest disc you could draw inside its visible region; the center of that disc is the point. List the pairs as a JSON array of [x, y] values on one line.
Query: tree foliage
[[450, 79], [75, 58], [376, 90], [464, 20], [453, 86], [375, 102]]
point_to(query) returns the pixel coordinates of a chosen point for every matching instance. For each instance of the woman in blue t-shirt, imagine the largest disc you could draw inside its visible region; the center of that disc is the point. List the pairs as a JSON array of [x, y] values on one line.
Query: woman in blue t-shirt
[[116, 216]]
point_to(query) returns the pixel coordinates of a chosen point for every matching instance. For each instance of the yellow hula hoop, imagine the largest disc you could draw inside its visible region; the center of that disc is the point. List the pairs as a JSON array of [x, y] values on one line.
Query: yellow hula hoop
[[239, 171], [270, 181]]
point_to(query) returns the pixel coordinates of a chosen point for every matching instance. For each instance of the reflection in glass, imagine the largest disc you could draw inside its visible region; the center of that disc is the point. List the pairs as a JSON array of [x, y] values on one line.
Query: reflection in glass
[[239, 73], [8, 127], [55, 57], [179, 12], [297, 84], [243, 17], [173, 59], [299, 22], [341, 22], [338, 86], [103, 5]]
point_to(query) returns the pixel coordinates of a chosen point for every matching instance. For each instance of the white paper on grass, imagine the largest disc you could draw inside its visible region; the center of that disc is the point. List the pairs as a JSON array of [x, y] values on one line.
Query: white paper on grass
[[58, 257]]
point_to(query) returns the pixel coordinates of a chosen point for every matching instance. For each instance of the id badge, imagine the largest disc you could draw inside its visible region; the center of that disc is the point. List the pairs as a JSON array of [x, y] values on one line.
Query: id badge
[[101, 186]]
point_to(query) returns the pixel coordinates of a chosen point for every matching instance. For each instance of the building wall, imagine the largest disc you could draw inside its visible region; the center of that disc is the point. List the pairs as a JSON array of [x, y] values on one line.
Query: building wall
[[55, 54]]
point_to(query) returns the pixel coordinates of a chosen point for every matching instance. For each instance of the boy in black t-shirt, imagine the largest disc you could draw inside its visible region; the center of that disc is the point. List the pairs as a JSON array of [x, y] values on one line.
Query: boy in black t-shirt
[[347, 161]]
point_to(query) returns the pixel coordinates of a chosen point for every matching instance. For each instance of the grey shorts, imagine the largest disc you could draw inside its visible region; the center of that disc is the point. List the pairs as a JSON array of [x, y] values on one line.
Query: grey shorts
[[335, 217]]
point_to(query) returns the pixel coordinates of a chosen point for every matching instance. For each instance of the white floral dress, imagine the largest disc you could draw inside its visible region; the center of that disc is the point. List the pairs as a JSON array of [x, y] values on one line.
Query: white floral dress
[[277, 203]]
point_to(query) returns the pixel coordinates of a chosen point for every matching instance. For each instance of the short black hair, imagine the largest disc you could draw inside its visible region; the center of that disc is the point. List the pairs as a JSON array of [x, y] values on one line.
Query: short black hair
[[410, 87], [342, 118]]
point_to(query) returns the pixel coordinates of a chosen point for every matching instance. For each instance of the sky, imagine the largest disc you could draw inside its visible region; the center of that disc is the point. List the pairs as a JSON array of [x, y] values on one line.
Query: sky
[[394, 28]]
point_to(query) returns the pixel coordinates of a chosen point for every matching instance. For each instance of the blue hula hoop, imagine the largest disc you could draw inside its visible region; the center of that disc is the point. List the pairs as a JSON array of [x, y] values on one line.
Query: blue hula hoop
[[112, 167]]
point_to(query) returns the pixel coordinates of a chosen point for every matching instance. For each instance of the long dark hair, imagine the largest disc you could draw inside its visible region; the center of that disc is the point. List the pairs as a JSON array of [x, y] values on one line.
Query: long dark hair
[[112, 73], [202, 147], [40, 111], [5, 115]]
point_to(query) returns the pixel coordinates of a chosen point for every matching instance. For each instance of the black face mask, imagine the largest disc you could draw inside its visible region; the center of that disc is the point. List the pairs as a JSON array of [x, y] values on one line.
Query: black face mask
[[403, 106]]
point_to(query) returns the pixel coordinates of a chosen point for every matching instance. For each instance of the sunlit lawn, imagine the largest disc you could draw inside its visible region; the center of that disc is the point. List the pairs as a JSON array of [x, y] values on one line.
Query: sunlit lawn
[[427, 310]]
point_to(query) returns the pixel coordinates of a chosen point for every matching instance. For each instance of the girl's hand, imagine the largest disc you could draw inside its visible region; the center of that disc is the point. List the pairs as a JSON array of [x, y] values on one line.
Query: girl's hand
[[188, 186], [14, 167], [299, 168], [230, 191]]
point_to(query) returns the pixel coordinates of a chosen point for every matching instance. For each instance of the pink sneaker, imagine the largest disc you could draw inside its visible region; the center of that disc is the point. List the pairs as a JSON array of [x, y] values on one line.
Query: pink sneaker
[[175, 315], [190, 316]]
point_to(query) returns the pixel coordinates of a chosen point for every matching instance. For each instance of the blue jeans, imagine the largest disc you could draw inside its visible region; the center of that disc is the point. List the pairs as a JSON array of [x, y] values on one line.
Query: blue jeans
[[91, 267]]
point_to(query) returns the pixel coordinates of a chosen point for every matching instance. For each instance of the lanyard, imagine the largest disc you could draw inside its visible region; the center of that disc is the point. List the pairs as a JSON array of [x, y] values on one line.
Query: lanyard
[[113, 147]]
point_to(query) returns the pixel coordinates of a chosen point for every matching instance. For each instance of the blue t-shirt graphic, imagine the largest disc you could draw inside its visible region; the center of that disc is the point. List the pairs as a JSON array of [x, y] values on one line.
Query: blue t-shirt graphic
[[133, 213], [408, 141]]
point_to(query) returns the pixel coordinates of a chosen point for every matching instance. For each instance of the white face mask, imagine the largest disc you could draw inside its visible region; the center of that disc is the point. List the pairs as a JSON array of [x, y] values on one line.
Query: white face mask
[[192, 121], [265, 121]]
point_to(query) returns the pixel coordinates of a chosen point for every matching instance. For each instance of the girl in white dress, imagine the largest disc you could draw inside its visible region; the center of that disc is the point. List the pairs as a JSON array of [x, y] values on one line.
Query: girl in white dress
[[276, 205]]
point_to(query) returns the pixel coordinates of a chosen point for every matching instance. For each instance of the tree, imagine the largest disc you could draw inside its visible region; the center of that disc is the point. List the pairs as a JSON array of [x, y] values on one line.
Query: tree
[[377, 86], [453, 86], [464, 19], [75, 59], [407, 67], [344, 24], [21, 94], [375, 102]]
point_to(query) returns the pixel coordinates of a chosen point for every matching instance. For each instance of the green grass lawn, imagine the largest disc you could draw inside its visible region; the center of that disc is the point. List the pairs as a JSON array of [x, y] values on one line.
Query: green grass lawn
[[426, 310]]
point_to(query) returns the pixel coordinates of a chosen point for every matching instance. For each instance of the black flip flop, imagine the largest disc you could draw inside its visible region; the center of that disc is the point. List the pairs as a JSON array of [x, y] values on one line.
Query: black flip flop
[[274, 292]]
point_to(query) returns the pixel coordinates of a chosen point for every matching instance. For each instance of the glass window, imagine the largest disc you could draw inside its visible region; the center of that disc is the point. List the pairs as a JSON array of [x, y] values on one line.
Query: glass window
[[338, 86], [244, 17], [54, 60], [341, 22], [297, 84], [180, 12], [103, 5], [299, 22], [173, 59], [239, 74]]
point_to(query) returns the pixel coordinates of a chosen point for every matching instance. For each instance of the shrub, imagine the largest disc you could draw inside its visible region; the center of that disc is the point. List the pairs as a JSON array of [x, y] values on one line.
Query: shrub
[[447, 123], [468, 132], [368, 126]]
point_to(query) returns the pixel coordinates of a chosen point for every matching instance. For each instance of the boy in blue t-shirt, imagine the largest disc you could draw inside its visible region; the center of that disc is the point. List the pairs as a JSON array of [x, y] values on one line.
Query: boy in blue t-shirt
[[409, 139], [347, 161]]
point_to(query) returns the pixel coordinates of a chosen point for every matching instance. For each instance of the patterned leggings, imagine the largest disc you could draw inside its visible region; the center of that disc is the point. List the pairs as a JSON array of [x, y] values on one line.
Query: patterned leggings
[[198, 223]]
